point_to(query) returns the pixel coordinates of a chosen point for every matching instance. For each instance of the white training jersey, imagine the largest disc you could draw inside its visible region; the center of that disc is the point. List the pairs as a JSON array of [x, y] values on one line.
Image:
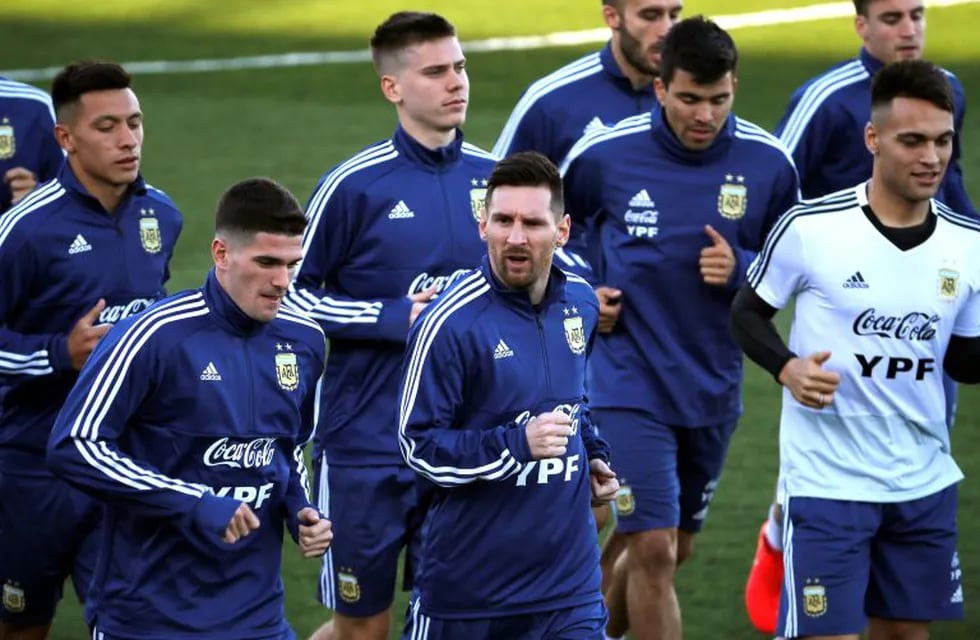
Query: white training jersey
[[887, 316]]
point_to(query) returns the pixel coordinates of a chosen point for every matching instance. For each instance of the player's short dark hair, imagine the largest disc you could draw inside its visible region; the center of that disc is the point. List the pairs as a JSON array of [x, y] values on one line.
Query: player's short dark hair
[[84, 76], [528, 169], [700, 47], [259, 205], [404, 29], [861, 7], [919, 79]]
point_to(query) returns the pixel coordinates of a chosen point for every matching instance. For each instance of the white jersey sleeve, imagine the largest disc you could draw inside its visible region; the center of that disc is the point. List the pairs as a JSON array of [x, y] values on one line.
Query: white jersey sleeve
[[967, 323], [780, 270]]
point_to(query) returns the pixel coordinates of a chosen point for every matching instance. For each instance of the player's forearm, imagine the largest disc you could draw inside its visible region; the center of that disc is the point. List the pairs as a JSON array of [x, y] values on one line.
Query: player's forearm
[[455, 457], [755, 333], [27, 355]]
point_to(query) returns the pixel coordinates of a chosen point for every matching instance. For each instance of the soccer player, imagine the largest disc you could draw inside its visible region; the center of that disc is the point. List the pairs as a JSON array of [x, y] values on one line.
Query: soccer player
[[597, 90], [390, 228], [29, 152], [77, 254], [188, 422], [823, 128], [493, 418], [593, 92], [887, 288], [681, 199]]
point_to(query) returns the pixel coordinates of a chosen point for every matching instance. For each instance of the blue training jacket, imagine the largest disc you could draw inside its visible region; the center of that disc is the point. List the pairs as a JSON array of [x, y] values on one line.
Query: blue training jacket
[[503, 534], [393, 220], [645, 200], [823, 128], [182, 413], [60, 251], [26, 135], [584, 96]]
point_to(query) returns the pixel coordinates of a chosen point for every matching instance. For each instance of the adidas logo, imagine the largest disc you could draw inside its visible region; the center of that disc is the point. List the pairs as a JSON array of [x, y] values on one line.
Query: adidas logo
[[594, 125], [79, 245], [400, 211], [641, 201], [856, 281], [210, 373], [502, 350]]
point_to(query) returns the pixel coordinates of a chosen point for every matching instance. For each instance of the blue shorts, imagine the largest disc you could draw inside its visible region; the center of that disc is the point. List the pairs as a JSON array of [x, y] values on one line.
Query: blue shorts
[[850, 561], [586, 622], [375, 515], [667, 475], [48, 531]]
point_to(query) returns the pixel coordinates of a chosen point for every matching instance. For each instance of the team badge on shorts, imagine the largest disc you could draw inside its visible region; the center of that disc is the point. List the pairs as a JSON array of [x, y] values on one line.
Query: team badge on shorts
[[8, 143], [733, 197], [814, 599], [287, 370], [150, 231], [625, 503], [575, 333], [13, 598], [350, 590], [478, 197], [948, 284]]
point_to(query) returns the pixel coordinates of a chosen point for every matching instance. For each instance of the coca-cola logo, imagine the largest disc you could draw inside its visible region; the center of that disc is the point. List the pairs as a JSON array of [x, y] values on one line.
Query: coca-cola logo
[[424, 281], [115, 313], [253, 454], [915, 326]]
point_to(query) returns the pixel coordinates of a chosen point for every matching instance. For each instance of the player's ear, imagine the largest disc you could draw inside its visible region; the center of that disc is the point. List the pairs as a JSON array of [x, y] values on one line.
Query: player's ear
[[660, 89], [390, 89], [219, 252], [871, 138], [564, 228], [611, 15], [861, 26], [483, 223]]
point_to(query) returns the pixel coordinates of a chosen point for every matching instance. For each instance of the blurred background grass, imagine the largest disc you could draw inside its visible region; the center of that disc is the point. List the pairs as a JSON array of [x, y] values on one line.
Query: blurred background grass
[[205, 131]]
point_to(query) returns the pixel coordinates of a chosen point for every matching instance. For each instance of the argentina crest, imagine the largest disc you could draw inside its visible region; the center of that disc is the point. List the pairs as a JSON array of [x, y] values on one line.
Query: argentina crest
[[350, 589], [814, 599], [8, 143], [948, 284], [150, 231], [478, 196], [733, 197], [574, 332], [287, 369], [14, 600]]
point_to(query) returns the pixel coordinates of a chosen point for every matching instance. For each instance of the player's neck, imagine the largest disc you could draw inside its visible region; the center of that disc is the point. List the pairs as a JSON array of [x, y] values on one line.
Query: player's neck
[[426, 136], [108, 195], [892, 210], [638, 79]]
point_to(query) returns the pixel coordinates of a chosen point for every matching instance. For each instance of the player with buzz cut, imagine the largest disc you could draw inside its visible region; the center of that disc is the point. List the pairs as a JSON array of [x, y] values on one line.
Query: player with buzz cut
[[680, 199], [390, 228], [822, 128], [887, 287]]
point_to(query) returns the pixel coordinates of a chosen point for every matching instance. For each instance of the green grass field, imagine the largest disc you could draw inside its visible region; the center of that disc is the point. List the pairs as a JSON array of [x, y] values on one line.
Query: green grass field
[[205, 131]]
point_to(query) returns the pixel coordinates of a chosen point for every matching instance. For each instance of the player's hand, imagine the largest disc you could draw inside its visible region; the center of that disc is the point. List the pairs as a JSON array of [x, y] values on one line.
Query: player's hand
[[548, 434], [243, 522], [809, 383], [717, 261], [420, 301], [609, 307], [85, 335], [21, 182], [604, 482], [315, 533]]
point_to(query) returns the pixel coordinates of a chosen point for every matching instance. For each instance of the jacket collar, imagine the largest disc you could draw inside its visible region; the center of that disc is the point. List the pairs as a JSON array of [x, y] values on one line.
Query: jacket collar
[[665, 138], [432, 159], [224, 309], [611, 68], [872, 64], [555, 292], [68, 179]]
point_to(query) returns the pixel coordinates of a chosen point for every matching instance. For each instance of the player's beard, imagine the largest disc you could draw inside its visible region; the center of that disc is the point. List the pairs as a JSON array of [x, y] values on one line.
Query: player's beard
[[632, 50]]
